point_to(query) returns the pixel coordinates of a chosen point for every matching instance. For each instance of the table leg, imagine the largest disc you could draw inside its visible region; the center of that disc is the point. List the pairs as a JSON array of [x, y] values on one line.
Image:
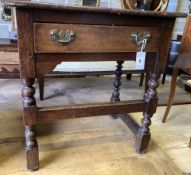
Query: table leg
[[143, 135], [41, 87], [171, 94], [128, 76], [141, 79], [30, 119], [117, 83], [146, 81]]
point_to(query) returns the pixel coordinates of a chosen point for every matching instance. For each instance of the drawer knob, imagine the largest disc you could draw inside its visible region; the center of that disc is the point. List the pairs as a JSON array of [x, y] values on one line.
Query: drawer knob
[[140, 38], [62, 37]]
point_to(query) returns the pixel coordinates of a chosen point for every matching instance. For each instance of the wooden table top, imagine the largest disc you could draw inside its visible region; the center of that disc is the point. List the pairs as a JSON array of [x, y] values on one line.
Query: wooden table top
[[120, 10]]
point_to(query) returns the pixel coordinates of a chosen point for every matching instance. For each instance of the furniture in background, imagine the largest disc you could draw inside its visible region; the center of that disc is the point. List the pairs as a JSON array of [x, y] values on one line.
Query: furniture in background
[[7, 46], [89, 34], [182, 65], [172, 57], [187, 85], [9, 68], [86, 72], [9, 65], [9, 60]]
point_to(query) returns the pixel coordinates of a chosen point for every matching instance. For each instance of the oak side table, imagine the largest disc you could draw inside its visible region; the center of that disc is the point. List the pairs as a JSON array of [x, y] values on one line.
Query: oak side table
[[50, 33]]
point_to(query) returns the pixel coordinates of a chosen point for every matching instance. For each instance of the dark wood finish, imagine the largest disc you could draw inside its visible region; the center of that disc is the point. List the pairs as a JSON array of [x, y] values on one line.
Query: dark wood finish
[[41, 87], [9, 65], [25, 30], [189, 143], [47, 62], [30, 119], [143, 135], [110, 43], [133, 126], [171, 94], [58, 6], [89, 38], [86, 110], [187, 87], [183, 63], [117, 83], [128, 76], [61, 74], [164, 76], [141, 79], [7, 46], [31, 148], [146, 81], [101, 19]]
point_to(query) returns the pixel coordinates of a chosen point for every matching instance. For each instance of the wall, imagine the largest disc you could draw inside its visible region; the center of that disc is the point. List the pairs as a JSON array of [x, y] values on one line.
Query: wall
[[5, 26], [183, 6]]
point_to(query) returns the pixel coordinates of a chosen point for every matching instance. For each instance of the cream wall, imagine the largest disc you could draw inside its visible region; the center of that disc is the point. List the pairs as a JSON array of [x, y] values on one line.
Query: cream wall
[[183, 6]]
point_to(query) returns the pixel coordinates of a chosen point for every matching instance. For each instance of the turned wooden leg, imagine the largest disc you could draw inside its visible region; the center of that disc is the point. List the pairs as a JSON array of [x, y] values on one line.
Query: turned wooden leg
[[128, 76], [141, 80], [143, 135], [32, 153], [172, 92], [117, 83], [41, 87], [164, 76], [189, 145], [146, 81], [30, 120]]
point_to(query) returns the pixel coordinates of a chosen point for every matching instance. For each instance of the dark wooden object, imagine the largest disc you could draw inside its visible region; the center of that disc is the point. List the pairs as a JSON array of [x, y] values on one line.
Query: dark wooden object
[[182, 65], [7, 46], [187, 87], [39, 56], [117, 83], [9, 60], [61, 74], [9, 69], [9, 65], [172, 57]]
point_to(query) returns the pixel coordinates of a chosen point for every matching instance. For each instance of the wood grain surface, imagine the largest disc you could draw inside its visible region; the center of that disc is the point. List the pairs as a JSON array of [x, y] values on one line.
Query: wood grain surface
[[94, 38], [61, 6]]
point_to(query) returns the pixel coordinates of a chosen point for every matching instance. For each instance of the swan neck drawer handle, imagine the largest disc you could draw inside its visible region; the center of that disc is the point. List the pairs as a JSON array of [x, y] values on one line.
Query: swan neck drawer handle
[[140, 38], [63, 37]]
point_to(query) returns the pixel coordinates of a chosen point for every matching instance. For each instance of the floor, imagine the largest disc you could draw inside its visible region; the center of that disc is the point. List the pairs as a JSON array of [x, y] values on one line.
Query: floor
[[94, 145], [173, 137]]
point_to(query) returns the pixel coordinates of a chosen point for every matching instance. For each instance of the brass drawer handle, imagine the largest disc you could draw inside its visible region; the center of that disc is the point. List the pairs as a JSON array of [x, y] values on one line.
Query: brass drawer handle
[[140, 38], [62, 37]]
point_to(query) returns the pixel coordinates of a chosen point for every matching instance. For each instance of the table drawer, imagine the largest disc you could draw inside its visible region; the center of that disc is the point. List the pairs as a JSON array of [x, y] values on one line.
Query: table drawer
[[92, 38]]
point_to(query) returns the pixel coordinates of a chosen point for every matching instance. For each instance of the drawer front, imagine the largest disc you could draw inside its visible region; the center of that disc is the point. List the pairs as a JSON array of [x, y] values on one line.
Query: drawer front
[[92, 38]]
